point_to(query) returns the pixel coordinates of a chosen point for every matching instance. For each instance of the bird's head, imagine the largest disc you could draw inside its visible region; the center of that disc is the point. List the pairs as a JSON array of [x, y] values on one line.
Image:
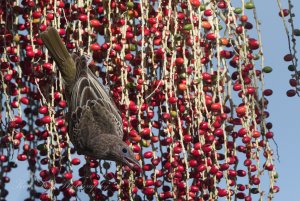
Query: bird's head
[[122, 153]]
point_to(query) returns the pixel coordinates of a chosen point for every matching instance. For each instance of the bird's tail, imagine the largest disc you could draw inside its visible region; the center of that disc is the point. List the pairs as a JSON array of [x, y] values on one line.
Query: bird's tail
[[60, 55]]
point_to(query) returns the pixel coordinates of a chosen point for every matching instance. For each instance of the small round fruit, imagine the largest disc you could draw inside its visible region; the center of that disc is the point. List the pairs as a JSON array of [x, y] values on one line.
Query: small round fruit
[[238, 10], [267, 69], [291, 67], [249, 5], [296, 32], [291, 93]]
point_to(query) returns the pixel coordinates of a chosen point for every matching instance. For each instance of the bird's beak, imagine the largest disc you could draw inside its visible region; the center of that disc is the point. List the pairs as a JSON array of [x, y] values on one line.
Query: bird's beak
[[132, 163]]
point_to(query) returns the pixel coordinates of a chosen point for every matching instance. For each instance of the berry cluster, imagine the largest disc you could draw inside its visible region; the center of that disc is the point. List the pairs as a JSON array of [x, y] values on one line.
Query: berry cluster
[[187, 77]]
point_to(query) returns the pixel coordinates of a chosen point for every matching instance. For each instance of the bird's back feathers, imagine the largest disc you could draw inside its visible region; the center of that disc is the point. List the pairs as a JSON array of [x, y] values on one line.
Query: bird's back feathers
[[91, 105]]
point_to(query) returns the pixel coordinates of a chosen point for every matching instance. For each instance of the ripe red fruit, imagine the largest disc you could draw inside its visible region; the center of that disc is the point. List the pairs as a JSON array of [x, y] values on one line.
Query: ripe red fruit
[[166, 116], [291, 93], [284, 13], [47, 66], [293, 82], [246, 139], [172, 100], [45, 197], [147, 131], [269, 135], [237, 87], [148, 191], [222, 192], [239, 29], [206, 25], [194, 189], [43, 109], [133, 106], [95, 47], [21, 157], [219, 132], [95, 23], [193, 163], [70, 192], [83, 17], [182, 87], [57, 96], [68, 175], [177, 150], [148, 154], [211, 36], [129, 57], [247, 162], [77, 183], [36, 14], [75, 161], [213, 170], [50, 16], [8, 77], [240, 195], [241, 110], [241, 173], [288, 57], [18, 135], [269, 166], [46, 119], [195, 3], [222, 4], [208, 12], [179, 61], [255, 134], [155, 161], [255, 180], [275, 189], [253, 44], [187, 138], [206, 76], [244, 18], [62, 103], [54, 170], [3, 158], [216, 107], [206, 148], [24, 100], [30, 54], [268, 92], [149, 182], [14, 104]]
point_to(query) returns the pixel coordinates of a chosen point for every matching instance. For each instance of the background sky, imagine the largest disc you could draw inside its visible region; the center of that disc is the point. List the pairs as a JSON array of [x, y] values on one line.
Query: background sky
[[284, 111]]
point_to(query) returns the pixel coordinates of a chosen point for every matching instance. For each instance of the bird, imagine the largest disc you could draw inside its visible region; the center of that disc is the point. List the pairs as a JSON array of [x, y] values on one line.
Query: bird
[[95, 126]]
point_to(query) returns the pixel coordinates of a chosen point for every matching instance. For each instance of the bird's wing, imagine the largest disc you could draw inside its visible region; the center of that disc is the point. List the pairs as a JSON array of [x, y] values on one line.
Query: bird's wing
[[86, 130], [90, 102]]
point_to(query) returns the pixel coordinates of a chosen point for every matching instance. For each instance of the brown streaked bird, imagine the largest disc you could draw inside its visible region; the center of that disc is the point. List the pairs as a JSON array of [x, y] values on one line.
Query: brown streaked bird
[[95, 125]]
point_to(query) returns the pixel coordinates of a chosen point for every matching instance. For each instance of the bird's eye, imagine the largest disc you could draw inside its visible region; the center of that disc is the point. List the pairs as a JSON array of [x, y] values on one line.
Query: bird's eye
[[124, 150]]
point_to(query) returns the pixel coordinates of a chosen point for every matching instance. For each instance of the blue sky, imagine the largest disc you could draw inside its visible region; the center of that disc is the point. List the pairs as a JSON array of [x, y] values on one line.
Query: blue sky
[[284, 111]]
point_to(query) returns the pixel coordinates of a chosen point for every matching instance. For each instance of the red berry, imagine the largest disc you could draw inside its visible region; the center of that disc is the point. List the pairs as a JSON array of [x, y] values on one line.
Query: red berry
[[68, 175], [75, 161], [291, 93], [253, 44], [46, 119], [148, 154], [284, 13], [288, 57]]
